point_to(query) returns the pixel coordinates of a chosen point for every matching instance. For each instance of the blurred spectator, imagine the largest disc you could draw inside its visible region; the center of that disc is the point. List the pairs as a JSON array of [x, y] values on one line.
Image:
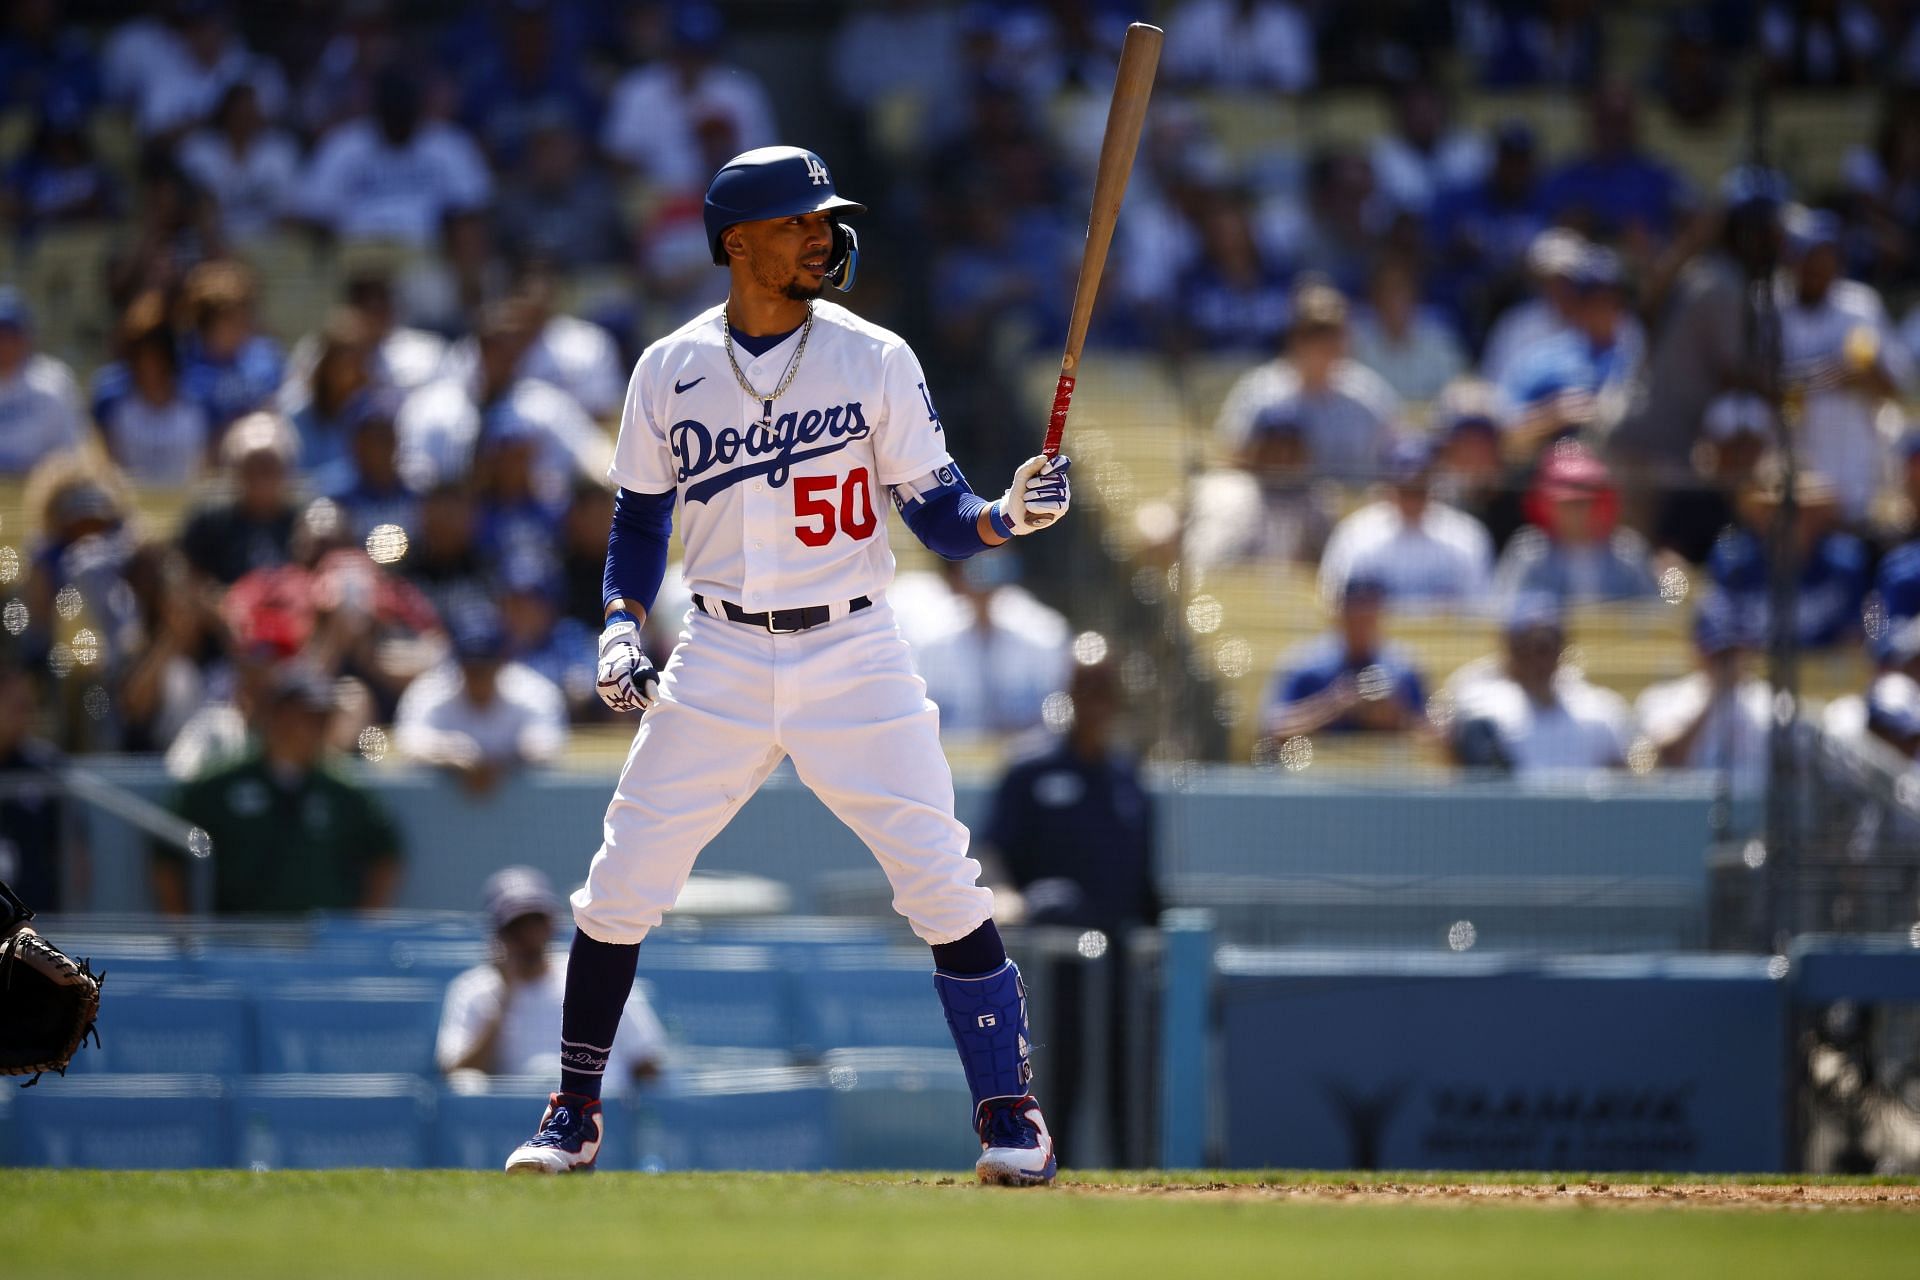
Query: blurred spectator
[[133, 52], [537, 635], [443, 424], [1700, 348], [1884, 718], [1616, 190], [992, 274], [1481, 232], [1884, 179], [42, 57], [1338, 231], [227, 366], [575, 355], [1692, 78], [1423, 552], [444, 560], [1072, 827], [253, 528], [397, 356], [32, 836], [1349, 679], [363, 40], [56, 180], [1230, 299], [1718, 717], [583, 552], [526, 76], [222, 729], [176, 228], [1424, 155], [1833, 574], [395, 175], [1573, 548], [1553, 262], [1534, 714], [555, 207], [246, 167], [514, 521], [1241, 44], [1266, 508], [81, 510], [1469, 472], [1579, 379], [1413, 349], [289, 833], [162, 675], [152, 427], [325, 404], [1839, 354], [658, 111], [184, 84], [1819, 43], [503, 1017], [480, 715], [1738, 430], [366, 482], [1517, 43], [39, 404], [1345, 408], [990, 673]]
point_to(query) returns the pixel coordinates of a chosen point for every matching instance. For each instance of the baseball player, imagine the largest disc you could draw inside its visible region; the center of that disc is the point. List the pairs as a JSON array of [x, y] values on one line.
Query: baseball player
[[780, 422]]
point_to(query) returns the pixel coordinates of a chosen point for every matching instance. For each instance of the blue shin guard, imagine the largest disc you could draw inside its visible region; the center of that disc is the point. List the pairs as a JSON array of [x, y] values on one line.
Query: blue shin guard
[[987, 1014]]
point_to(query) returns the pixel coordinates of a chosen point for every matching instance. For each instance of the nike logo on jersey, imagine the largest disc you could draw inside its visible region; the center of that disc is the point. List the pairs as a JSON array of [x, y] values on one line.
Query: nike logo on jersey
[[681, 388], [772, 452]]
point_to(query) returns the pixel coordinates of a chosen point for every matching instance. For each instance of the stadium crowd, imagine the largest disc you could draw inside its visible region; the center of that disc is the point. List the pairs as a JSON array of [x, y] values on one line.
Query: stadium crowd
[[1475, 378]]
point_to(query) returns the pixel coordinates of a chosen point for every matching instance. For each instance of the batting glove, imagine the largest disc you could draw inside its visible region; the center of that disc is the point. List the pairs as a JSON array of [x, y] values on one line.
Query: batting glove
[[1038, 496], [625, 677]]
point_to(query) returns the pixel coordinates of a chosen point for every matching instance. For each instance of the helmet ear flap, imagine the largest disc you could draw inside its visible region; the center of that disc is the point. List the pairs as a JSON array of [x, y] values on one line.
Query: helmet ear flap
[[843, 259]]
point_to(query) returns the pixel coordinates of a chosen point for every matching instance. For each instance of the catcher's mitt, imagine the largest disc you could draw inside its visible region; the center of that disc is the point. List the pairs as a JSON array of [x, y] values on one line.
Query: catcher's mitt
[[48, 1002]]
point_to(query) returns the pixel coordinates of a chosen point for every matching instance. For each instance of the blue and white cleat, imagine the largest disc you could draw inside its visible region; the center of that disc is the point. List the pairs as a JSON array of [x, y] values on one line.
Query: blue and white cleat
[[568, 1141], [1016, 1149]]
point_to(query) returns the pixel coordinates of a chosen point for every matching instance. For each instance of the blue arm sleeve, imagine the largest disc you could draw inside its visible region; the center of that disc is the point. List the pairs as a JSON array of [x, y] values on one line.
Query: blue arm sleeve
[[637, 547], [945, 517]]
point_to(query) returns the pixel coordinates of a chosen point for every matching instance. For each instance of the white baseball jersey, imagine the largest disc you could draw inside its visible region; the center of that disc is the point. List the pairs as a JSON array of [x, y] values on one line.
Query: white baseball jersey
[[796, 515], [773, 517]]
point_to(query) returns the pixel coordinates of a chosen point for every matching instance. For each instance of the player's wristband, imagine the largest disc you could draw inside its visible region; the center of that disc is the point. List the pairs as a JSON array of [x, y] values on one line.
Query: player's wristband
[[997, 518], [619, 615]]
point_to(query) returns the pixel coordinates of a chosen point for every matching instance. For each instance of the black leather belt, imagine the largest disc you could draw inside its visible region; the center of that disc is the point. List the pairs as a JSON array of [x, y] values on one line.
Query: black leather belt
[[780, 622]]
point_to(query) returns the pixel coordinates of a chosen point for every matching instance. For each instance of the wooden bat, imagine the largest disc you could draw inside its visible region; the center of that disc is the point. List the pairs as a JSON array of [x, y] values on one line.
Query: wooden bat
[[1139, 55]]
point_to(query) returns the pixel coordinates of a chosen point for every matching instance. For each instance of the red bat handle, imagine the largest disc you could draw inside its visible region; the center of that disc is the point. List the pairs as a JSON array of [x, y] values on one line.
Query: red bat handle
[[1057, 420]]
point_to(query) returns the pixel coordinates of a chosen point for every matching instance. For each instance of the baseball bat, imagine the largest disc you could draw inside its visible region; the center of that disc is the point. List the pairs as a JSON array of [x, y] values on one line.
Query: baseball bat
[[1139, 55]]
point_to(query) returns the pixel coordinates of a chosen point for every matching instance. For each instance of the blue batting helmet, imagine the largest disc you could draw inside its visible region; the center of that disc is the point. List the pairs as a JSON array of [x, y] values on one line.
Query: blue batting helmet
[[778, 182]]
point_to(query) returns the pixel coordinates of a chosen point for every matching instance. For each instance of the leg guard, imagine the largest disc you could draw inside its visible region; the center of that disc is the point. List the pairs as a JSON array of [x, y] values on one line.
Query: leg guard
[[987, 1014]]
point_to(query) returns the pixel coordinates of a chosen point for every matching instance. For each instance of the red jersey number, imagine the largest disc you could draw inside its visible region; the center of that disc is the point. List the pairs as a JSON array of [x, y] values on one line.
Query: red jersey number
[[814, 507]]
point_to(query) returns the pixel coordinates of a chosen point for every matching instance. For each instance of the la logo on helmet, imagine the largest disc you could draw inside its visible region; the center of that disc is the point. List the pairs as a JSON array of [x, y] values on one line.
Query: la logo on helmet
[[818, 172]]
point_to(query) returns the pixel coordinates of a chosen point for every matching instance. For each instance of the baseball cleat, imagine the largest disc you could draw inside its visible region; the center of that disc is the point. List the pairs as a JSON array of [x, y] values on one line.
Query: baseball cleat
[[568, 1141], [1015, 1148]]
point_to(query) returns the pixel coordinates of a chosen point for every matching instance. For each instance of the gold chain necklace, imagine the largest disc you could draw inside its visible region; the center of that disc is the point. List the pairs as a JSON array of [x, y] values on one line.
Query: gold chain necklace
[[786, 379]]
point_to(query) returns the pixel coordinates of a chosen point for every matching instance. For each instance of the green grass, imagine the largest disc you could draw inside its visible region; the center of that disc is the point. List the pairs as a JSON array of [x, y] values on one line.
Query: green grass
[[213, 1225]]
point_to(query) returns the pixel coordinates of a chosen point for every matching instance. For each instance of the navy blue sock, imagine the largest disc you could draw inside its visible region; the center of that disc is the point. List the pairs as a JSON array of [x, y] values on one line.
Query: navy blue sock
[[979, 952], [599, 979]]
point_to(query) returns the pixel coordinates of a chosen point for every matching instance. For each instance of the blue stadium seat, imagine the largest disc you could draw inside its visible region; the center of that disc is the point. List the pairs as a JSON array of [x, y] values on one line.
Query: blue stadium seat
[[351, 1025], [119, 1122], [160, 1024], [900, 1109], [719, 995], [870, 996], [333, 1122], [773, 1120], [476, 1130]]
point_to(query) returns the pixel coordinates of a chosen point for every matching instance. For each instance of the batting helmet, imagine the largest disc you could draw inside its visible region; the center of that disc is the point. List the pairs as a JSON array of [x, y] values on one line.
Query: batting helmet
[[778, 182]]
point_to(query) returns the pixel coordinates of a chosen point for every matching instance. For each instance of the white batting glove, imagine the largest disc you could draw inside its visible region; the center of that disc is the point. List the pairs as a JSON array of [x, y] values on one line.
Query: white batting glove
[[1038, 496], [625, 678]]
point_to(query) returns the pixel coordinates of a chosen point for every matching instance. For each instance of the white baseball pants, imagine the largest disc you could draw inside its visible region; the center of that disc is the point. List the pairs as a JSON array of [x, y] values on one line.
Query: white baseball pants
[[843, 700]]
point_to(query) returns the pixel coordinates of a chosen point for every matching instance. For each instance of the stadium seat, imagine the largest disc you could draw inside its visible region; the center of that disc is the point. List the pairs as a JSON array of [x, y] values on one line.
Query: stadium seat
[[868, 997], [119, 1122], [332, 1122], [369, 1025], [738, 1120], [900, 1109], [165, 1024], [719, 995], [476, 1129]]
